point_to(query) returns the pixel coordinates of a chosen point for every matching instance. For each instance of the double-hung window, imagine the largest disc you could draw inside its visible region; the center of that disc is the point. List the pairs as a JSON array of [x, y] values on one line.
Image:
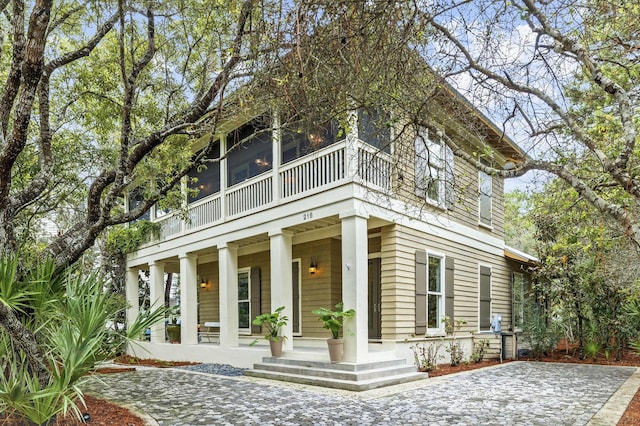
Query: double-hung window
[[435, 293], [433, 170]]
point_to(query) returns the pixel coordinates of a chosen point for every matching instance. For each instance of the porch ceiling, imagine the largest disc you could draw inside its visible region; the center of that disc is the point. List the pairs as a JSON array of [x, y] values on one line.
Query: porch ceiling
[[314, 224]]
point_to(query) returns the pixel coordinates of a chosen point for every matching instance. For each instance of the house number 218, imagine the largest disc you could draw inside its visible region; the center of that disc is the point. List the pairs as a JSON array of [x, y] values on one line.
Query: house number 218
[[307, 215]]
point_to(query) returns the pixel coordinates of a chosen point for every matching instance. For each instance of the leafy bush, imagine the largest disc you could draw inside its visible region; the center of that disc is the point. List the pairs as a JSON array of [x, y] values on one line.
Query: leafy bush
[[537, 334], [426, 355], [454, 347], [479, 348]]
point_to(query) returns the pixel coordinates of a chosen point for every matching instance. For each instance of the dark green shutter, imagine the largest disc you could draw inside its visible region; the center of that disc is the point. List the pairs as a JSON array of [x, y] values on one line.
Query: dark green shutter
[[513, 300], [421, 292], [255, 298], [485, 298], [448, 288]]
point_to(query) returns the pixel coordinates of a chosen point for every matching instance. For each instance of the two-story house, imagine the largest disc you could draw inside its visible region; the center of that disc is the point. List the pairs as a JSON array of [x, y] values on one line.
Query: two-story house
[[389, 223]]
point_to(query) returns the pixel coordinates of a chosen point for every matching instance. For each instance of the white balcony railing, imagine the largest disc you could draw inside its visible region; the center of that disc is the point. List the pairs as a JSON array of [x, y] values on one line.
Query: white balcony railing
[[313, 171], [302, 177], [374, 167], [205, 212], [249, 195], [170, 225]]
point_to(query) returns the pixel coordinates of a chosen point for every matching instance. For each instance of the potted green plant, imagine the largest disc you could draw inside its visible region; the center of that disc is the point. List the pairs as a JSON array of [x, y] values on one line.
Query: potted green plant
[[273, 323], [173, 328], [334, 322]]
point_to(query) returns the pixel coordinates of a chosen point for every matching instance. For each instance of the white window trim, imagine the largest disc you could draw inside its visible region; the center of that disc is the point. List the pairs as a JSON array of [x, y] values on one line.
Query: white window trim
[[438, 331], [440, 167], [480, 265], [481, 177], [245, 331]]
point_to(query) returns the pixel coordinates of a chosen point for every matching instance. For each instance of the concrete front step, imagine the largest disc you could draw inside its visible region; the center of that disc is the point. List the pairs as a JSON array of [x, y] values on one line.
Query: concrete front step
[[356, 377], [371, 373], [370, 365], [326, 382]]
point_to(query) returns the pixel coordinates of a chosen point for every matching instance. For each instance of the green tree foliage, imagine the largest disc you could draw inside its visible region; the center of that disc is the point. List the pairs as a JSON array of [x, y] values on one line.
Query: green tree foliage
[[98, 100], [519, 229], [588, 270], [565, 74]]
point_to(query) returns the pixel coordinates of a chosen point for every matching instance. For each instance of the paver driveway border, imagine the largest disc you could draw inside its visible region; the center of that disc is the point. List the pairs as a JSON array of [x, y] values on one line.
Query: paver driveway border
[[615, 407], [566, 393]]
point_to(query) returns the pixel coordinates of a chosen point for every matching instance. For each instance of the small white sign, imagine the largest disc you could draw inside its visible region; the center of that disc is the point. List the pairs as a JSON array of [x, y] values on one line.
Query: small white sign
[[307, 216]]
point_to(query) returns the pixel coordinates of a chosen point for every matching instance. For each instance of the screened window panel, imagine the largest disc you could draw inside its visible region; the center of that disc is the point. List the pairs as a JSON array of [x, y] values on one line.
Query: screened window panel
[[252, 153], [207, 178], [374, 128], [135, 199], [299, 142]]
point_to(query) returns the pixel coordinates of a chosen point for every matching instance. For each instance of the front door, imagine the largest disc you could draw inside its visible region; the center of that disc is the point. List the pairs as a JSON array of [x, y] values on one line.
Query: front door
[[375, 299]]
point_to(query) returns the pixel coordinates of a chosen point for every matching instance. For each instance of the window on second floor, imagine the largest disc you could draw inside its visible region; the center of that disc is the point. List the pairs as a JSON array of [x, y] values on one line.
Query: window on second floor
[[136, 197], [485, 184], [434, 176], [206, 180], [251, 152]]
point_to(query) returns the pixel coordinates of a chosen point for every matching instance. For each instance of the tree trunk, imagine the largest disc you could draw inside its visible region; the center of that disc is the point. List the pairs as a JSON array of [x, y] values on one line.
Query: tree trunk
[[7, 236], [578, 306], [25, 341], [167, 289]]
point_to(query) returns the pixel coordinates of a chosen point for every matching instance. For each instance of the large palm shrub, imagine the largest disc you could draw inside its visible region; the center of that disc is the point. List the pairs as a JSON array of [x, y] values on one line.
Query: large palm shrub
[[72, 317]]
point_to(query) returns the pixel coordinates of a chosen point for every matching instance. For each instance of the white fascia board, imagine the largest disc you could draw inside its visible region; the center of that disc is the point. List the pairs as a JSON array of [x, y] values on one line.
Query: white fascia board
[[349, 197], [520, 253], [324, 205]]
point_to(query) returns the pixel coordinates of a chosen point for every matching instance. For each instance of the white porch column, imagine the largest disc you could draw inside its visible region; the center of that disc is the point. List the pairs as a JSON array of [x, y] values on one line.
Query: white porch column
[[276, 143], [355, 285], [131, 290], [156, 290], [228, 264], [282, 281], [188, 298]]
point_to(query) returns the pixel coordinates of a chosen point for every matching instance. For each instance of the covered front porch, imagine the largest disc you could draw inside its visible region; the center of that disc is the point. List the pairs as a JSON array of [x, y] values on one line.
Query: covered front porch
[[246, 356], [230, 282]]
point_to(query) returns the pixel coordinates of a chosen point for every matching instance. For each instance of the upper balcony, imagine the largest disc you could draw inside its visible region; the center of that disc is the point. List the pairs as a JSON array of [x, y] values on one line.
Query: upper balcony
[[347, 161]]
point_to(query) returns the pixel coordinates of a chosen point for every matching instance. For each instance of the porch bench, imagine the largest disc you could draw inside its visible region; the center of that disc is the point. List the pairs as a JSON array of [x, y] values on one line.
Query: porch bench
[[210, 335]]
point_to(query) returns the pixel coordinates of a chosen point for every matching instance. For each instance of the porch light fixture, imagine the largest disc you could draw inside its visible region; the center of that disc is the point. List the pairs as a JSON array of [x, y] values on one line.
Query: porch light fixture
[[203, 283], [313, 266]]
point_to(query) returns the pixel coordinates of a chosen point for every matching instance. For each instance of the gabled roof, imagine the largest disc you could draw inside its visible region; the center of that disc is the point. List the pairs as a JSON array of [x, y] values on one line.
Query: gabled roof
[[496, 138]]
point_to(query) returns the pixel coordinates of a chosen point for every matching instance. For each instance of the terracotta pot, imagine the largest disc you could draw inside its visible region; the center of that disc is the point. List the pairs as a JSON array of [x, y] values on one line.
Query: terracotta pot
[[276, 347], [335, 349]]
